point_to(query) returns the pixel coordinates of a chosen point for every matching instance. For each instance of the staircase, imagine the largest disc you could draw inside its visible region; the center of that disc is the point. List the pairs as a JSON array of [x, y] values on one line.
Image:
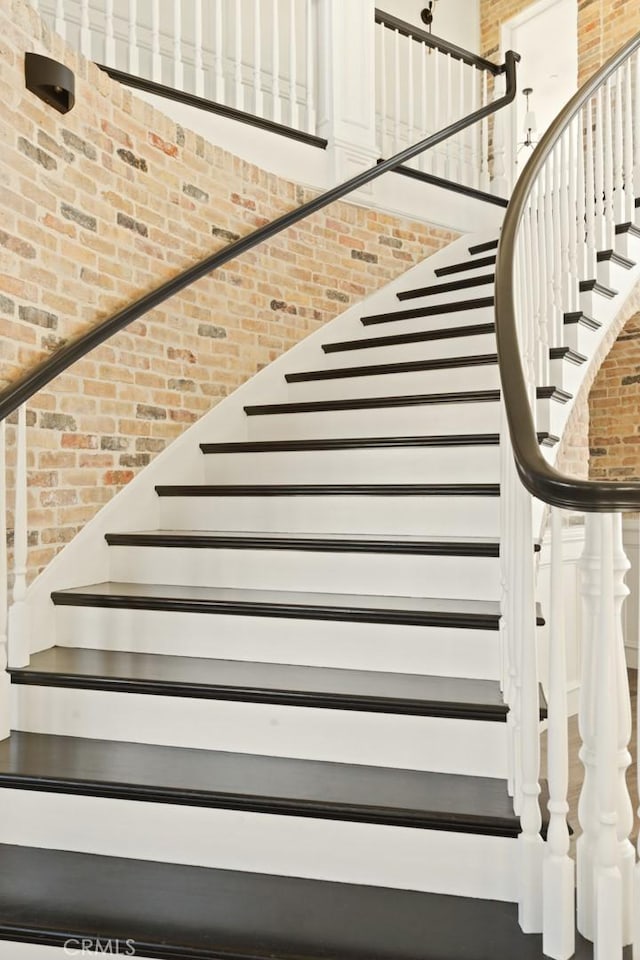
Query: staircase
[[276, 729]]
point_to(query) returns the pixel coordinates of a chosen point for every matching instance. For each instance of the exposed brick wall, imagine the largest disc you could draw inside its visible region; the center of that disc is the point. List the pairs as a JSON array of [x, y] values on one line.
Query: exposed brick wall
[[100, 206], [603, 26], [614, 409]]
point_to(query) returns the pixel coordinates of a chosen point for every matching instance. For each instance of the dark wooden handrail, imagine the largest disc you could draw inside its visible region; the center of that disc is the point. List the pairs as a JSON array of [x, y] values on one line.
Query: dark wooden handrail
[[37, 378], [541, 479], [437, 43]]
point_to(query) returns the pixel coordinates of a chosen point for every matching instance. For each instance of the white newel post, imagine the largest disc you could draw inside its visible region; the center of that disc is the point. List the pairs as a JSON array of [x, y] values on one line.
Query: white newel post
[[18, 623], [346, 95]]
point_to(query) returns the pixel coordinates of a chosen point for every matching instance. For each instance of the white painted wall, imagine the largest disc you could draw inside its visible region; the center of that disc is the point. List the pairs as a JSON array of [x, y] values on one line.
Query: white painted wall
[[546, 37]]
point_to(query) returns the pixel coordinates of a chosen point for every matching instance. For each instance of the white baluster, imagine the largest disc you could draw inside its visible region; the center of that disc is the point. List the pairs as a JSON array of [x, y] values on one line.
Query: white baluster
[[237, 71], [449, 113], [485, 180], [396, 88], [544, 259], [636, 127], [558, 260], [500, 184], [590, 191], [600, 234], [618, 153], [293, 67], [178, 66], [558, 936], [530, 841], [134, 50], [156, 56], [629, 207], [220, 91], [198, 50], [85, 29], [424, 160], [575, 195], [109, 35], [438, 62], [4, 586], [60, 24], [277, 105], [588, 803], [566, 213], [581, 210], [622, 701], [536, 299], [410, 91], [608, 937], [609, 233], [384, 151], [18, 626], [258, 99], [310, 59], [474, 133]]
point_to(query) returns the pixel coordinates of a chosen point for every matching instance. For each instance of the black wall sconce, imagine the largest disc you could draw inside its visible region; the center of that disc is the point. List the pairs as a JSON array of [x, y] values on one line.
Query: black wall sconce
[[50, 81]]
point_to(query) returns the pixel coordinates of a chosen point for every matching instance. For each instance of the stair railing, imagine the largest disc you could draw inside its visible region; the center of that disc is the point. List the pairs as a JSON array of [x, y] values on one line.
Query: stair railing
[[263, 64], [423, 81], [14, 625], [580, 183]]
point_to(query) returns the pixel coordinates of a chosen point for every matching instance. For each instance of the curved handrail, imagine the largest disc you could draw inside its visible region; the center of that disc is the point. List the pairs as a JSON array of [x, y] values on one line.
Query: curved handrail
[[20, 391], [541, 479]]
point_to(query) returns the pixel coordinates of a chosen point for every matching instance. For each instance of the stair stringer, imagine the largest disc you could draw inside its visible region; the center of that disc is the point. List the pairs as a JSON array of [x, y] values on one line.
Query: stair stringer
[[85, 559]]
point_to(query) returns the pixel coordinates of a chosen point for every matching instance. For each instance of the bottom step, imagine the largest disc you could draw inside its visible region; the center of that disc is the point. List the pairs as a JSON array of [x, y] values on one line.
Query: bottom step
[[53, 898]]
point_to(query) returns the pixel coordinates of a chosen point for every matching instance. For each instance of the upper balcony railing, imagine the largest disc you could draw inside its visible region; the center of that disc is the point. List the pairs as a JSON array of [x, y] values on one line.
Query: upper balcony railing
[[269, 61]]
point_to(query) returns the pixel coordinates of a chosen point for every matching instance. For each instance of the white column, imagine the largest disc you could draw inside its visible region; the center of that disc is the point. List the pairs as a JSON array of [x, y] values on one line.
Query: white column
[[18, 626], [346, 62]]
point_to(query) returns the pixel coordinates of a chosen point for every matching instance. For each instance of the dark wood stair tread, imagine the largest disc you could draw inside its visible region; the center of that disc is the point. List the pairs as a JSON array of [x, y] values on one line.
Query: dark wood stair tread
[[351, 443], [369, 403], [275, 683], [594, 286], [298, 605], [449, 287], [329, 490], [428, 311], [197, 913], [383, 369], [465, 265], [483, 247], [261, 784], [421, 336], [308, 542]]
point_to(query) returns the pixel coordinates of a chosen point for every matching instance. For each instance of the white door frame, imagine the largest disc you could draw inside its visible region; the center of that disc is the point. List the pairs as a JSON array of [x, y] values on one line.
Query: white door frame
[[507, 31]]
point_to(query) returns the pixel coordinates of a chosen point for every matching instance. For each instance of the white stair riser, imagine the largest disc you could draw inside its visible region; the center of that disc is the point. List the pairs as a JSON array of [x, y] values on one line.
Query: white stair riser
[[471, 578], [473, 747], [439, 651], [628, 246], [593, 304], [405, 858], [612, 274], [437, 418], [399, 353], [580, 338], [366, 465], [551, 416], [482, 377], [565, 375], [419, 515], [436, 321]]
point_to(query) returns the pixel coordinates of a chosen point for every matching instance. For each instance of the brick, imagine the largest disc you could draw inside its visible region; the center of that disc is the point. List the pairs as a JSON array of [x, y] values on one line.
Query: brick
[[36, 154], [8, 306], [192, 191], [138, 163], [57, 421], [16, 245], [145, 411], [130, 224], [41, 318], [74, 142], [225, 234], [209, 330], [118, 477], [170, 149]]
